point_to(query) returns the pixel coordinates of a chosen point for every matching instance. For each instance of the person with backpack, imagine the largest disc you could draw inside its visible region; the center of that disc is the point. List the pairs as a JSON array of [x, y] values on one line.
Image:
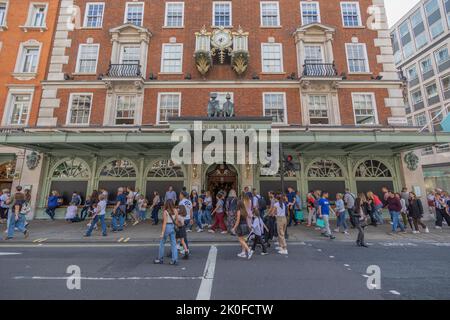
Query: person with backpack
[[242, 229], [119, 211], [219, 214], [359, 217], [291, 198], [258, 229], [99, 215], [16, 219], [349, 200], [261, 204]]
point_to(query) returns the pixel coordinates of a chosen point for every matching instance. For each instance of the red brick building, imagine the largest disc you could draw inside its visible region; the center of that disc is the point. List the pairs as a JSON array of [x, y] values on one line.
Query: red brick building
[[123, 74]]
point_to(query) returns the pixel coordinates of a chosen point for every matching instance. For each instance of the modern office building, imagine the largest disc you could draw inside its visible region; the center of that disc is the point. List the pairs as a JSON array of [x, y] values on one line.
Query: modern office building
[[123, 75], [421, 41]]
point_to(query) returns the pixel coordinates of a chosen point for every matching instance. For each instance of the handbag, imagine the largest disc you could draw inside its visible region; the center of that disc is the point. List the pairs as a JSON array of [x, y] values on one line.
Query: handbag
[[320, 223], [299, 215], [175, 225]]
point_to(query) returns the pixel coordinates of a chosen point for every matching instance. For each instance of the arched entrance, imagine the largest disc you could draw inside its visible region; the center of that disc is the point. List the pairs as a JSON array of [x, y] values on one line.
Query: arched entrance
[[221, 177]]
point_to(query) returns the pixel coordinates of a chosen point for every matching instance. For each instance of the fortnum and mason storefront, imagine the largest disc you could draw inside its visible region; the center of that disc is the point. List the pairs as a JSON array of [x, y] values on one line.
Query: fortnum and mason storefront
[[331, 159]]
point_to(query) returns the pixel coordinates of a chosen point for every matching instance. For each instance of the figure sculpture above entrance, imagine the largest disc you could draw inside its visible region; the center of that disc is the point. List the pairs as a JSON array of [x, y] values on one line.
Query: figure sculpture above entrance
[[217, 111]]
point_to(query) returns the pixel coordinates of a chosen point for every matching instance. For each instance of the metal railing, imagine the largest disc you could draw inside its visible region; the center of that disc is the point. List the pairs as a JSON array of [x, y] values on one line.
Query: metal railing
[[319, 70], [124, 71]]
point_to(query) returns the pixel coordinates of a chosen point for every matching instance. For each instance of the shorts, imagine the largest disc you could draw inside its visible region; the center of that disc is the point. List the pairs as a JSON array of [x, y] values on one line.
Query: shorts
[[242, 230], [181, 233]]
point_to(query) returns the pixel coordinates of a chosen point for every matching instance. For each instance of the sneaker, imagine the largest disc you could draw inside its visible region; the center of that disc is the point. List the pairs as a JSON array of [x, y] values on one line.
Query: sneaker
[[157, 261], [88, 225], [26, 234], [224, 232], [332, 237], [242, 255], [188, 230], [391, 223], [199, 230], [250, 254], [336, 230], [278, 248], [437, 227], [427, 230], [346, 233], [283, 252], [264, 253], [211, 231], [415, 232], [173, 263], [135, 223]]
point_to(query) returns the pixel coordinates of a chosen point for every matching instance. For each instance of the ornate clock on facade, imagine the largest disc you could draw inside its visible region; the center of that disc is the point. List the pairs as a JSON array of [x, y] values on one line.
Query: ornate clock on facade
[[221, 43]]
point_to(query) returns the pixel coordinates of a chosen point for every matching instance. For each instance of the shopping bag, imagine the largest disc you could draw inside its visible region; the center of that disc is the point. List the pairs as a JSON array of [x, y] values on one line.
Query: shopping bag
[[299, 215], [320, 223]]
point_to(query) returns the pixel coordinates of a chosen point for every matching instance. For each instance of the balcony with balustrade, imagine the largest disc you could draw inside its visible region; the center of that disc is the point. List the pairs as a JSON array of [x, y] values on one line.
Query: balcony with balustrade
[[320, 70], [124, 71]]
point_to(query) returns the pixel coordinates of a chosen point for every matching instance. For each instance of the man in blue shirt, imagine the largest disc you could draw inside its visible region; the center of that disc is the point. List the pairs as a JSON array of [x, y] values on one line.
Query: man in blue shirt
[[120, 209], [324, 214]]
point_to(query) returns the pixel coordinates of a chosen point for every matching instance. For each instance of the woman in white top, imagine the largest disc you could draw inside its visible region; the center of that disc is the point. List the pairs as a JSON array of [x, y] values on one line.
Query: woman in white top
[[280, 214], [170, 216], [99, 214]]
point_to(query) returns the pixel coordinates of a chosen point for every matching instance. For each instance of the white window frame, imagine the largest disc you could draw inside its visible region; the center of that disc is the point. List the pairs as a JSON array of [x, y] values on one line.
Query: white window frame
[[158, 114], [116, 104], [128, 4], [412, 96], [129, 45], [166, 14], [7, 113], [214, 13], [163, 59], [358, 10], [4, 25], [319, 18], [69, 108], [280, 45], [437, 52], [285, 122], [77, 67], [366, 57], [374, 102], [328, 109], [436, 94], [19, 62], [86, 10], [30, 16], [262, 3]]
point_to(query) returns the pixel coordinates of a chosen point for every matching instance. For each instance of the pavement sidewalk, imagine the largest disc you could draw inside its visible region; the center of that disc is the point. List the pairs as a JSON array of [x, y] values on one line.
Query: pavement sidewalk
[[44, 231]]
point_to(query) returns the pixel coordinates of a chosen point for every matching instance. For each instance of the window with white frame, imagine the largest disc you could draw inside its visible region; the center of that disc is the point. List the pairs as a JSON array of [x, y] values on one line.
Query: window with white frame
[[275, 107], [87, 58], [364, 108], [172, 58], [421, 119], [130, 54], [318, 109], [125, 109], [222, 14], [169, 106], [20, 105], [412, 73], [431, 90], [134, 13], [313, 54], [174, 14], [79, 108], [446, 84], [418, 26], [406, 39], [357, 58], [3, 12], [272, 57], [270, 14], [416, 97], [442, 55], [310, 12], [29, 59], [37, 15], [351, 15], [94, 15]]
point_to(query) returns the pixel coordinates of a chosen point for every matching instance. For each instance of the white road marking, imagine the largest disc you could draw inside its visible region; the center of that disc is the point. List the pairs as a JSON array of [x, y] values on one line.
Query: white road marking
[[204, 292], [395, 292], [346, 265], [107, 278], [320, 250], [9, 253], [331, 257]]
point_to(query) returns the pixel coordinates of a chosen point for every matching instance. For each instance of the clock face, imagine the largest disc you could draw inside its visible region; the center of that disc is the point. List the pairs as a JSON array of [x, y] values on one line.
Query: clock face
[[221, 39]]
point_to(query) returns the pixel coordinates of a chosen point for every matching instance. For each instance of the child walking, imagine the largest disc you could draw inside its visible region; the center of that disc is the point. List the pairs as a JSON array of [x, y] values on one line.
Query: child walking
[[181, 232], [258, 229]]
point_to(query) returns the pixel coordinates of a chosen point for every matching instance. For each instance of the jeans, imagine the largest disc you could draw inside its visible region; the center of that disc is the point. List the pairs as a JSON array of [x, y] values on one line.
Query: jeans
[[207, 217], [155, 214], [326, 229], [118, 222], [94, 222], [19, 224], [198, 218], [341, 220], [50, 212], [358, 225], [378, 214], [187, 224], [84, 213], [142, 214], [169, 233], [396, 221]]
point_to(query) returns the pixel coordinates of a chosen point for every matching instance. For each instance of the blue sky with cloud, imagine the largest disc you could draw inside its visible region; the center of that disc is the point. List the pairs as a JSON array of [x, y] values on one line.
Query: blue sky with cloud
[[398, 8]]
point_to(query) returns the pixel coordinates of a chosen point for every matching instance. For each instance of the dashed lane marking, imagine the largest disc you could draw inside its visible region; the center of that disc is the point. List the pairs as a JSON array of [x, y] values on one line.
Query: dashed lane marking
[[9, 253], [106, 279], [331, 257], [394, 292]]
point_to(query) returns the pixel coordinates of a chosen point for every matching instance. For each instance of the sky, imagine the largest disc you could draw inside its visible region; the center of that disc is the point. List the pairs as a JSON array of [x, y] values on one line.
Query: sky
[[396, 9]]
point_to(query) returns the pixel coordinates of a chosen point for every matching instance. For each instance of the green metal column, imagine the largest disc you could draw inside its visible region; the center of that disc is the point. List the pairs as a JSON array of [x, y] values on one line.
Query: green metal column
[[92, 184], [140, 183], [350, 181], [398, 173]]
